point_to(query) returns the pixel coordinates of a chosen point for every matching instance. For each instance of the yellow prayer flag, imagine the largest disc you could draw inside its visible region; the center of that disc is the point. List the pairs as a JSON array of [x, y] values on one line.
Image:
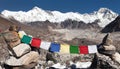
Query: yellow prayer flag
[[21, 34], [64, 48]]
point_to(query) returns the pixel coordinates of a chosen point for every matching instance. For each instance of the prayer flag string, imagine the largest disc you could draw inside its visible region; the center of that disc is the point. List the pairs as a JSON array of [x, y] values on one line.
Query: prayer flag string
[[57, 47]]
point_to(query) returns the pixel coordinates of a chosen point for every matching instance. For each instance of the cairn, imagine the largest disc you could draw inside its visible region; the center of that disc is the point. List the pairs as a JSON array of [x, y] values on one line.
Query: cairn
[[21, 55], [108, 57]]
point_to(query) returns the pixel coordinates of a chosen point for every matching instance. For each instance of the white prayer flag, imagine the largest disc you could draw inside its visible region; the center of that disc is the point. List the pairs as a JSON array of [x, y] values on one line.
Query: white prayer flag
[[45, 45], [92, 48]]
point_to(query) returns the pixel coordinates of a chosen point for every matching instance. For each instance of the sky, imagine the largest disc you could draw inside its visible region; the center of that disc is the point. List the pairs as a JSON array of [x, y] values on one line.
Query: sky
[[81, 6]]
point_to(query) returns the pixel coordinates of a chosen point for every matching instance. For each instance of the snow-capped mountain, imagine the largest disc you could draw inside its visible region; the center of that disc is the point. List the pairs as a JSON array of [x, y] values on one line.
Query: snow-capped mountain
[[104, 15]]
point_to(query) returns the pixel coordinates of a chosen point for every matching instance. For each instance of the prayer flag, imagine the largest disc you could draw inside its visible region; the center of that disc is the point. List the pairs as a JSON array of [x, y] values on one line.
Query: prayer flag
[[21, 34], [45, 45], [26, 39], [36, 42], [74, 49], [55, 47], [83, 49], [64, 48], [92, 48]]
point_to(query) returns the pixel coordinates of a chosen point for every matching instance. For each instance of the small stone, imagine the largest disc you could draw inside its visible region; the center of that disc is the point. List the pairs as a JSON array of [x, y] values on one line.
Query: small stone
[[107, 40], [110, 47]]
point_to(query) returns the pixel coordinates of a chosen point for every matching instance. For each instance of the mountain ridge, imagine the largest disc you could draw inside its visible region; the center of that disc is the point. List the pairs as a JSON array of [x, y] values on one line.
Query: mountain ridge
[[104, 15]]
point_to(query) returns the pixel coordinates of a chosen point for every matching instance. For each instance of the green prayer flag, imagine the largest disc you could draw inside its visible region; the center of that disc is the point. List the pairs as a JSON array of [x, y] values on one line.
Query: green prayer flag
[[26, 39], [74, 49]]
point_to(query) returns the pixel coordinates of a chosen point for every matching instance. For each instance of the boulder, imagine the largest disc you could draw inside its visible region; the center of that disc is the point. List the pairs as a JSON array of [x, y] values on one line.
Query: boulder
[[108, 50], [12, 61], [11, 38], [21, 49], [4, 51], [15, 43], [116, 57], [31, 57], [110, 47]]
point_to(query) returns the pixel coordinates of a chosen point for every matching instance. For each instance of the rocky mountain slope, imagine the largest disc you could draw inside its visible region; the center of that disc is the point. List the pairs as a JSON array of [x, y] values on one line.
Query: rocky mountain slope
[[113, 26], [104, 15], [31, 30], [67, 24]]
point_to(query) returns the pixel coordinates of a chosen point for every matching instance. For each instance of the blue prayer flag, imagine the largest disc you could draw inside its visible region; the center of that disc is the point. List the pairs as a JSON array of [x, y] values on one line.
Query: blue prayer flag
[[54, 47]]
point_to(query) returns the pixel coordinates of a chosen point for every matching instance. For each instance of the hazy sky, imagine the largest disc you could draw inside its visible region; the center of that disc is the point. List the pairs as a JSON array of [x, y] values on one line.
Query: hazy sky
[[81, 6]]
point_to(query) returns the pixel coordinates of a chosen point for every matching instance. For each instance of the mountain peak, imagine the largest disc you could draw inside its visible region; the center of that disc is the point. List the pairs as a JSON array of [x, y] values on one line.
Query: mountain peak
[[36, 9], [104, 10]]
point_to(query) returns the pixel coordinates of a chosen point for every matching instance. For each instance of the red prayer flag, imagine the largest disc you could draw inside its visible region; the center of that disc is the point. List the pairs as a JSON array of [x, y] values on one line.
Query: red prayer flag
[[36, 42], [83, 49]]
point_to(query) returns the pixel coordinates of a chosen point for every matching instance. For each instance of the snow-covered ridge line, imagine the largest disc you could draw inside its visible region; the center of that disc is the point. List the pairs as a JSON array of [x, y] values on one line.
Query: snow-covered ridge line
[[104, 16]]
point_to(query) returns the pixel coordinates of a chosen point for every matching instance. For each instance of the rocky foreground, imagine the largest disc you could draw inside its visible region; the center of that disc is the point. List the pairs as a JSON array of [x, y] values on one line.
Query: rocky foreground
[[17, 55]]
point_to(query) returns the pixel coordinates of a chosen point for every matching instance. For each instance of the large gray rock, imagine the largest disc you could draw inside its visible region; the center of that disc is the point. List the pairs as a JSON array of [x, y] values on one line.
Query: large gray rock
[[11, 38], [12, 61], [25, 60], [4, 53], [116, 57], [21, 49], [31, 57], [109, 50], [110, 47]]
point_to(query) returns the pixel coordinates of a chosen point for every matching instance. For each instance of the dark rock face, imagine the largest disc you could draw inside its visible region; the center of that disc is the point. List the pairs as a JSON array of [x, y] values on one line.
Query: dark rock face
[[69, 24], [42, 24], [113, 26], [81, 41]]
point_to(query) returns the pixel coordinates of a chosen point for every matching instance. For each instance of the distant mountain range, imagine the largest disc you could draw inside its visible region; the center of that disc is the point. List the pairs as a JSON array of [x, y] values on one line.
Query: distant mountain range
[[101, 18]]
